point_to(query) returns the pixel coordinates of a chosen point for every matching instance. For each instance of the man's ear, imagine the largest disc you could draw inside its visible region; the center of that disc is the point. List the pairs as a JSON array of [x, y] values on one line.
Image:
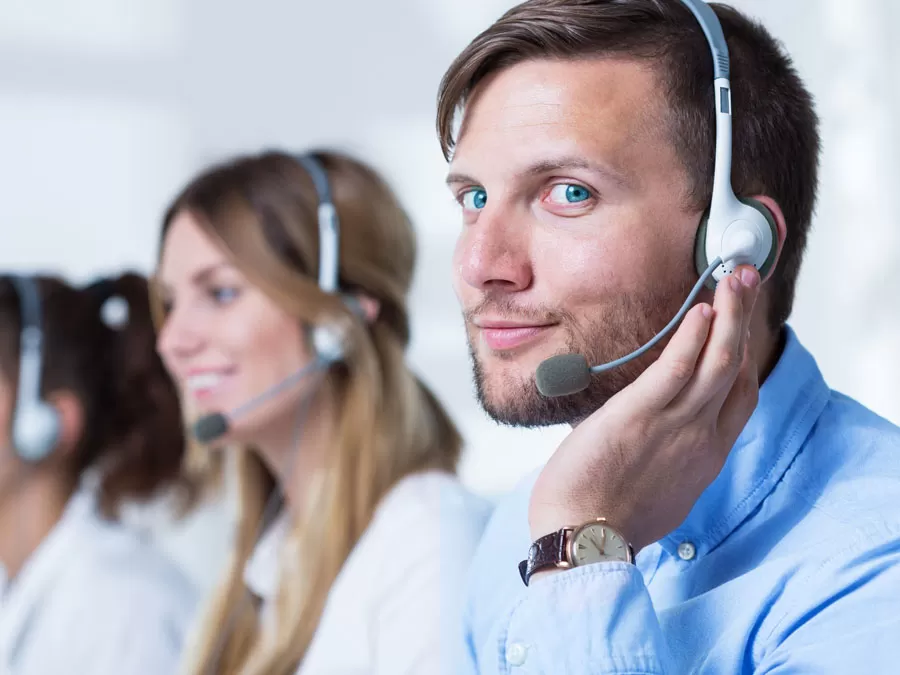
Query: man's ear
[[71, 417], [780, 227]]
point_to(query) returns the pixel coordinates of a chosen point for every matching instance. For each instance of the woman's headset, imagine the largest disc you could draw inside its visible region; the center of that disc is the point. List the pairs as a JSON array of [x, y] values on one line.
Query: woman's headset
[[36, 426], [328, 340]]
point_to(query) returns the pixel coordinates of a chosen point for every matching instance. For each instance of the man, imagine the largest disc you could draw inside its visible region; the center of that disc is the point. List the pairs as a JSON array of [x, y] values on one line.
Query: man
[[763, 508]]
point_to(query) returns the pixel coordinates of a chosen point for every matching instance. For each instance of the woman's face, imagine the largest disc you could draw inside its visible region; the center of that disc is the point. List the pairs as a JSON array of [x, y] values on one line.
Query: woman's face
[[224, 341]]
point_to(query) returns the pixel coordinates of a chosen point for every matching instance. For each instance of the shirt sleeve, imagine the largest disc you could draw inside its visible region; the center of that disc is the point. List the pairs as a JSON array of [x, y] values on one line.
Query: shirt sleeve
[[597, 619]]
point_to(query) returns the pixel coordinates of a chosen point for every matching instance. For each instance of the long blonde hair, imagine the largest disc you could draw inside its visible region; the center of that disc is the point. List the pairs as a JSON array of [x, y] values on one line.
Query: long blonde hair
[[262, 211]]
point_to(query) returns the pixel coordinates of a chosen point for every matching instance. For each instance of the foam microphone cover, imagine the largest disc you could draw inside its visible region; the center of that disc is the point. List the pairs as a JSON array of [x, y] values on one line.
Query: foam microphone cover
[[563, 375], [210, 427]]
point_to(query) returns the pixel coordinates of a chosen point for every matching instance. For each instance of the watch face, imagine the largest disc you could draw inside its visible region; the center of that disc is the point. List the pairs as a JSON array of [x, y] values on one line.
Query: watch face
[[595, 543]]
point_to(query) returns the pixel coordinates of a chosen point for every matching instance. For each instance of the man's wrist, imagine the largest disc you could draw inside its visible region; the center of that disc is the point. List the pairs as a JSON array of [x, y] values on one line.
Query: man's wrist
[[542, 524], [548, 522]]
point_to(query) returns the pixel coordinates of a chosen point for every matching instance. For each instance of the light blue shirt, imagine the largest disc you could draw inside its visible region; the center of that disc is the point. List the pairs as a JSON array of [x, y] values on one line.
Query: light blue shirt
[[788, 563]]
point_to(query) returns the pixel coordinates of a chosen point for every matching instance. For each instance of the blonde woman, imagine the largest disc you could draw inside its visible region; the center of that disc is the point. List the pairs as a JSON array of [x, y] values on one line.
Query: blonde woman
[[282, 284]]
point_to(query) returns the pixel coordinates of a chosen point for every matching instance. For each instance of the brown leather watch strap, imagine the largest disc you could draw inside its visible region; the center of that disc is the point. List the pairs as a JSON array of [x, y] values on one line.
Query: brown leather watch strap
[[547, 551]]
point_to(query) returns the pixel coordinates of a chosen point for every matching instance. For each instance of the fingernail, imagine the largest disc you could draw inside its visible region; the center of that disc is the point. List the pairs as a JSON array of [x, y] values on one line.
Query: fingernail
[[707, 311], [735, 283], [749, 277]]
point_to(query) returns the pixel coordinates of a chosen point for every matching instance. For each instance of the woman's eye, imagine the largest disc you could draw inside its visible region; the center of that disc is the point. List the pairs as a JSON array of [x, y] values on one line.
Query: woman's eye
[[568, 193], [474, 199], [224, 295]]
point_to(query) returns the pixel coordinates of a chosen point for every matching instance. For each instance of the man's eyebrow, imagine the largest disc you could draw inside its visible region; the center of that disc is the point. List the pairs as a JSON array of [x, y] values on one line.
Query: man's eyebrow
[[456, 178], [560, 164]]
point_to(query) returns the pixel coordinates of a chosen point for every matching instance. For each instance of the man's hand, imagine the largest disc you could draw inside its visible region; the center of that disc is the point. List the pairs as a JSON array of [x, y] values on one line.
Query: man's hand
[[644, 458]]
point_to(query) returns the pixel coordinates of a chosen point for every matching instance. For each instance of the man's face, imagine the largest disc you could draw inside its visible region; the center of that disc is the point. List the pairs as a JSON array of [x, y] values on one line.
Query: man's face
[[576, 234]]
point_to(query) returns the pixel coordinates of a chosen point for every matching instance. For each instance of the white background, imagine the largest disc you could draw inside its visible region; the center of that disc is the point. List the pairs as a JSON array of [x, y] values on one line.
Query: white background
[[108, 106]]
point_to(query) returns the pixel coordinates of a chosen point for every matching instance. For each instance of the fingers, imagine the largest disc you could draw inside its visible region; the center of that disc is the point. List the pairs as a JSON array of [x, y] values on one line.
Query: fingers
[[666, 377], [751, 282], [740, 402], [723, 354]]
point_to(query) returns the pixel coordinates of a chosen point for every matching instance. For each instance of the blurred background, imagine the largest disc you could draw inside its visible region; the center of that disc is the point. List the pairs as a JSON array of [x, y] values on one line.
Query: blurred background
[[107, 107]]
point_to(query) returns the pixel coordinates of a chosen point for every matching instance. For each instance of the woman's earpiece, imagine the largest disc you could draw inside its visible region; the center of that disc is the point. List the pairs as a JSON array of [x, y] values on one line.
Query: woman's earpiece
[[329, 341], [36, 430]]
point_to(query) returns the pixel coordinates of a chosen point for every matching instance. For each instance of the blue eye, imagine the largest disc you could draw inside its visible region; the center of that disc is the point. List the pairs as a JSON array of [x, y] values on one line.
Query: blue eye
[[569, 193], [224, 295], [474, 199]]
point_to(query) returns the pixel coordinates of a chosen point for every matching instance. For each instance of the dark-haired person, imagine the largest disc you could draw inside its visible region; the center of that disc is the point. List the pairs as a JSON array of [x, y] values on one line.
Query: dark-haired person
[[762, 506], [89, 422]]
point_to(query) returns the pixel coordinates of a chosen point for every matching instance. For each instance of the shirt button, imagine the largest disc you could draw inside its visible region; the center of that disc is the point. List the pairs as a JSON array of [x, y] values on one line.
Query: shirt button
[[686, 550], [516, 653]]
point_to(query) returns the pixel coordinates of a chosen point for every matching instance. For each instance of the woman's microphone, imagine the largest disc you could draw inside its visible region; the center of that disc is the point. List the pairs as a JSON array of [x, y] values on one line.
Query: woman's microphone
[[215, 425], [329, 345]]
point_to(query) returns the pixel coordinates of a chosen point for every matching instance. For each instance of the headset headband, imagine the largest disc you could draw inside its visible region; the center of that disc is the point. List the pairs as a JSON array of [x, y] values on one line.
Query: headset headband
[[722, 193], [329, 225], [30, 343]]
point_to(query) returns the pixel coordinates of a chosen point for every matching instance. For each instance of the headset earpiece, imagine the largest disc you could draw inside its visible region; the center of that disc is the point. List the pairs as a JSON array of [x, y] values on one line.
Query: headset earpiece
[[36, 431], [766, 267], [700, 261], [329, 342], [749, 219]]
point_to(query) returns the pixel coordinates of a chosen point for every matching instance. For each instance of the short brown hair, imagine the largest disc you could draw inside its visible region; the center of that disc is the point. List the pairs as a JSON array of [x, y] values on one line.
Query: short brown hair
[[776, 136], [132, 429]]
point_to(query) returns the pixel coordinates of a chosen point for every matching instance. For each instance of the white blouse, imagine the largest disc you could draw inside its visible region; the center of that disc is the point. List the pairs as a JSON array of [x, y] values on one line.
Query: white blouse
[[95, 598], [396, 606]]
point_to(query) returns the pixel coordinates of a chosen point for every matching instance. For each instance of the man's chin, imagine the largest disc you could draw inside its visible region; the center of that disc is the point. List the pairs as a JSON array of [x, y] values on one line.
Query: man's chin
[[520, 404], [534, 414], [508, 393]]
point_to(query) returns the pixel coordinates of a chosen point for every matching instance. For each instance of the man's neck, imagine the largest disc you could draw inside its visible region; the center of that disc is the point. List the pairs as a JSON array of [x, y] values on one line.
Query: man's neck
[[28, 513], [766, 345]]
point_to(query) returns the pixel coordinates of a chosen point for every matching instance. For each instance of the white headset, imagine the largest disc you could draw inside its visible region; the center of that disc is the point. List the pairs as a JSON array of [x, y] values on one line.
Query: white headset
[[739, 231], [36, 424], [328, 339]]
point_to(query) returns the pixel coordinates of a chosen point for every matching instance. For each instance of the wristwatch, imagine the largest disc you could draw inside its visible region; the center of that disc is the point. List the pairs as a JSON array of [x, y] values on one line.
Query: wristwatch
[[593, 542]]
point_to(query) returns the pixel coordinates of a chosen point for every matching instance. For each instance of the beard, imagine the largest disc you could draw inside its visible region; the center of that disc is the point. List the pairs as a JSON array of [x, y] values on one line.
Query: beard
[[514, 400]]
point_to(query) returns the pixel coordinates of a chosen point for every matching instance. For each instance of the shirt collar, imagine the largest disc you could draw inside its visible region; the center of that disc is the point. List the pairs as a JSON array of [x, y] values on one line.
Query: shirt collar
[[790, 401], [262, 568]]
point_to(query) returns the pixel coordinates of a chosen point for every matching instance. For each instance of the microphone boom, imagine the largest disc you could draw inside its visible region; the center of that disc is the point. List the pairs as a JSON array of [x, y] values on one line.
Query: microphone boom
[[567, 374]]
